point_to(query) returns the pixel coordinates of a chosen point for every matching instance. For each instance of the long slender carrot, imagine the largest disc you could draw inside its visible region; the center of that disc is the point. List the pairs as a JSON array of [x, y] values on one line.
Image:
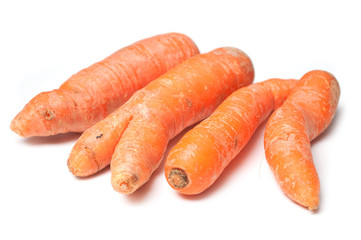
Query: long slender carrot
[[306, 113], [201, 155], [134, 137], [93, 93]]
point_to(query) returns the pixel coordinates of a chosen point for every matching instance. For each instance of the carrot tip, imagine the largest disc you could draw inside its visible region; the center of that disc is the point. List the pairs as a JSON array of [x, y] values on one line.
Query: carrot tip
[[126, 184], [15, 126], [312, 208], [77, 172], [83, 163], [178, 178], [310, 203]]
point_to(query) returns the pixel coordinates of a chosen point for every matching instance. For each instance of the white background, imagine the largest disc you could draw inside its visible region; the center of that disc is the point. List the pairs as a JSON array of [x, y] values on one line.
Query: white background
[[42, 43]]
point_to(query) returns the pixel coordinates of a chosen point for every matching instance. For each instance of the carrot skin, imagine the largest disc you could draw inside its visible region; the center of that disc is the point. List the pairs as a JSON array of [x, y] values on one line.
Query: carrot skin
[[199, 158], [183, 96], [307, 112], [94, 92]]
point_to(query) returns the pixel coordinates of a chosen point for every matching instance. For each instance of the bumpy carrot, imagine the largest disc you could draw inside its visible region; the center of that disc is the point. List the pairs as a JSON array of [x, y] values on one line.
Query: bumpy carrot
[[201, 155], [135, 137], [93, 93], [306, 113]]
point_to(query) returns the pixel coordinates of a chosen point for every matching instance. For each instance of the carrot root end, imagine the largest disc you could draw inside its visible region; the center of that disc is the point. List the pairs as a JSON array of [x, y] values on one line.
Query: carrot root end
[[313, 208], [126, 184]]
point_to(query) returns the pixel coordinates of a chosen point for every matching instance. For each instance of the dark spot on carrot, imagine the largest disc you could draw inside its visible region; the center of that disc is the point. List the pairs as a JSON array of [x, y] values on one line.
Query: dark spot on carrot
[[178, 178], [235, 142], [99, 136], [189, 102], [48, 114]]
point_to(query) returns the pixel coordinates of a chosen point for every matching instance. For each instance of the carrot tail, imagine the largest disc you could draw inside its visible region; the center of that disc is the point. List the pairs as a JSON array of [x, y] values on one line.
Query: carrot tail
[[200, 156], [95, 147], [306, 113]]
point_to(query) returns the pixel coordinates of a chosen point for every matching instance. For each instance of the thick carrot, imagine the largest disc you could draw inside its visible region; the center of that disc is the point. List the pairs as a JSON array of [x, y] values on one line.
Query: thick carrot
[[93, 93], [135, 137], [201, 155], [306, 113]]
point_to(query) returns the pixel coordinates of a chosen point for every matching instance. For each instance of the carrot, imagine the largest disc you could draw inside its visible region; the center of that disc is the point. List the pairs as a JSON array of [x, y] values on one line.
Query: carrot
[[201, 155], [306, 113], [135, 137], [93, 93]]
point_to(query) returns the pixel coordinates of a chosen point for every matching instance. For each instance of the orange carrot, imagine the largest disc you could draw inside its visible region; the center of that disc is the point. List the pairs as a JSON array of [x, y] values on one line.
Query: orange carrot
[[306, 113], [135, 137], [93, 93], [201, 155]]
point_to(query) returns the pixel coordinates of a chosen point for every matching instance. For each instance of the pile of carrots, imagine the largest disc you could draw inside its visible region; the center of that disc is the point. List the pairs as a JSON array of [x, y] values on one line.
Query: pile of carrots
[[132, 103]]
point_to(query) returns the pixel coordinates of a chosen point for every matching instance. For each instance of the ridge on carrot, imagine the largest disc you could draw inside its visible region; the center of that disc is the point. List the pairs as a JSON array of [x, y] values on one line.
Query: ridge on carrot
[[307, 112], [201, 155], [135, 136], [94, 92]]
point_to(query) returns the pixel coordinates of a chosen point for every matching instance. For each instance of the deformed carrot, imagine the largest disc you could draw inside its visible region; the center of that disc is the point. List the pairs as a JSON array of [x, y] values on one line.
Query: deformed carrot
[[306, 113], [201, 155], [93, 93], [135, 137]]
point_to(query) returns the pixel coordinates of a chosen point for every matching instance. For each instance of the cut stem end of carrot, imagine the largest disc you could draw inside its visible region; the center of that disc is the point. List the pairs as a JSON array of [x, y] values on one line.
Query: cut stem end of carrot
[[178, 178]]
